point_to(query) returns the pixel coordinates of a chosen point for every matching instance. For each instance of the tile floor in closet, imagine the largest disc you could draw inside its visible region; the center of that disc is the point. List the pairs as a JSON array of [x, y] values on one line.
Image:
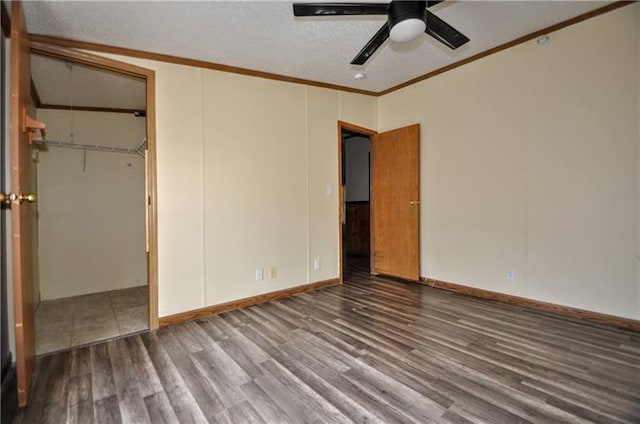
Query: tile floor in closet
[[79, 320]]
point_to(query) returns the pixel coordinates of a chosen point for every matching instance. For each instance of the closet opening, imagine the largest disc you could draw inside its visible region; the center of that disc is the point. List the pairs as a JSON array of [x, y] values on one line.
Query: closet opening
[[355, 170], [92, 226]]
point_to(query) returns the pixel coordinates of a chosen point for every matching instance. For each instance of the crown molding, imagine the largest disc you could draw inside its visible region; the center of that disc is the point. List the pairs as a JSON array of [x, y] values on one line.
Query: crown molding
[[141, 54]]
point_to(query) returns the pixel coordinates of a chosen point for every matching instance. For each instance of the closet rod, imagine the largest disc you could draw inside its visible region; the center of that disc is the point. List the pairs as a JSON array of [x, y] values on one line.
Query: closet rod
[[65, 145]]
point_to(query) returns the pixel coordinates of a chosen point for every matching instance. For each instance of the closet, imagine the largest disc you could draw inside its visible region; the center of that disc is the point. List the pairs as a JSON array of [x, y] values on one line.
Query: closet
[[91, 239]]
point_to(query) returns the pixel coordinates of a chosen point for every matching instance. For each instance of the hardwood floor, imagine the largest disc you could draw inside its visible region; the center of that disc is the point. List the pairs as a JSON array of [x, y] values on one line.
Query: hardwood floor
[[373, 350]]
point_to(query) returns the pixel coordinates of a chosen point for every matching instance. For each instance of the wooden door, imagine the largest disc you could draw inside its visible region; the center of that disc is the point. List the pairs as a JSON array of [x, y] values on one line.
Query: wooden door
[[22, 212], [395, 197]]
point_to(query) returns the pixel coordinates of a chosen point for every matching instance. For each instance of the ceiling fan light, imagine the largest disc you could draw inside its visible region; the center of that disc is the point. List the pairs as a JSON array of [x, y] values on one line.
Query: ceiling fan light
[[407, 30]]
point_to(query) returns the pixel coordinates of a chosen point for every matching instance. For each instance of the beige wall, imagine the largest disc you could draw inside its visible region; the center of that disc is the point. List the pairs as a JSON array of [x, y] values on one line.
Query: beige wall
[[530, 162], [256, 207], [243, 169], [91, 213]]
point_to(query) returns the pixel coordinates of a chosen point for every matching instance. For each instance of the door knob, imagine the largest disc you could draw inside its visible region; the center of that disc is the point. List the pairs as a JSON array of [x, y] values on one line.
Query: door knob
[[12, 197], [31, 197]]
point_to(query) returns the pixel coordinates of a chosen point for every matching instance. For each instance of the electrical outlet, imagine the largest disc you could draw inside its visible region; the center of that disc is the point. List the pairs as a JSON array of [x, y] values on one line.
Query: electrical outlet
[[316, 264], [259, 274], [273, 272], [511, 274]]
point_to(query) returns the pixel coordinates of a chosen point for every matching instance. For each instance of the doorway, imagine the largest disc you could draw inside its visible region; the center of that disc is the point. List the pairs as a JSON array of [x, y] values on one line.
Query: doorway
[[91, 270], [24, 130], [356, 234], [355, 198], [380, 200]]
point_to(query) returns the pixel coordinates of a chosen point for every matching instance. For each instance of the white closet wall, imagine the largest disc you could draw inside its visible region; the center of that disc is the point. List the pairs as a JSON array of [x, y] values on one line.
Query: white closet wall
[[91, 209]]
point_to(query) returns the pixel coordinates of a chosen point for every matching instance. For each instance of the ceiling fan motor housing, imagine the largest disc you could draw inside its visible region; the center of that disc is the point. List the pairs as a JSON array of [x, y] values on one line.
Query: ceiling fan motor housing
[[406, 20], [410, 14]]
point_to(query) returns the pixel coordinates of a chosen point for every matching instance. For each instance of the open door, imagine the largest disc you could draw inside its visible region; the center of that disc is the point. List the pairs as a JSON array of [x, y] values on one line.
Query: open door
[[395, 202], [21, 199]]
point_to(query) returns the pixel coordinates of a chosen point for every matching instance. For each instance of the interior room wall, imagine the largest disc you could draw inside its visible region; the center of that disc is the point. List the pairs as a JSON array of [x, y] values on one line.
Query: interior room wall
[[495, 165], [357, 169], [91, 210], [247, 179], [530, 162], [258, 216]]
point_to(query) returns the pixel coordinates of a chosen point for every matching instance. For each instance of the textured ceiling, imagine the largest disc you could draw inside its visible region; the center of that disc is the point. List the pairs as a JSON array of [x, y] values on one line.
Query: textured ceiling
[[59, 83], [264, 35]]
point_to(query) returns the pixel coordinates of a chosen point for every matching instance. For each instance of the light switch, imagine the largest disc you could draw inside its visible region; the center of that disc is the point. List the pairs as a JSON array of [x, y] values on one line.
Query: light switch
[[329, 191]]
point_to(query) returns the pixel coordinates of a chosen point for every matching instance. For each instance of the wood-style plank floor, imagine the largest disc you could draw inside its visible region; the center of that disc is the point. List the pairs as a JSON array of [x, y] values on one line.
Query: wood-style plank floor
[[373, 350]]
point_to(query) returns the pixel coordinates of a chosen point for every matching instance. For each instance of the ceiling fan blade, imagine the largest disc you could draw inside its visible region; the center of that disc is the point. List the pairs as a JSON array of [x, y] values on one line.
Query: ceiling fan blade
[[333, 9], [371, 47], [443, 32]]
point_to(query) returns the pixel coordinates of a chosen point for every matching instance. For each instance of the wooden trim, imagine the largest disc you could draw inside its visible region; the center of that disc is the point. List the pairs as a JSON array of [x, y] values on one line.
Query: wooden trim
[[23, 297], [372, 199], [520, 40], [355, 128], [152, 200], [568, 311], [341, 205], [5, 21], [152, 209], [245, 303], [342, 125], [63, 42], [61, 52], [88, 108]]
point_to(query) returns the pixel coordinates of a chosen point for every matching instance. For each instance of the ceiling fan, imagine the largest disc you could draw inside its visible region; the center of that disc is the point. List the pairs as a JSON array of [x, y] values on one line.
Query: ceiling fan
[[406, 20]]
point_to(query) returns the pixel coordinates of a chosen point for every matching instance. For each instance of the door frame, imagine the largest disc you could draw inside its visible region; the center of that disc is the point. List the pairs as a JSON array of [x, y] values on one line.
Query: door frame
[[341, 203], [151, 175]]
